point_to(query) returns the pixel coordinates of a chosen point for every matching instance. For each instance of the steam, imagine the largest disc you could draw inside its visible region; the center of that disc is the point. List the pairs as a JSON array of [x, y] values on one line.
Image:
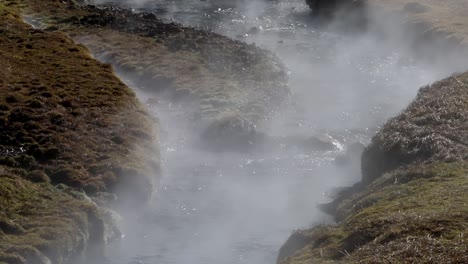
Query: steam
[[239, 208]]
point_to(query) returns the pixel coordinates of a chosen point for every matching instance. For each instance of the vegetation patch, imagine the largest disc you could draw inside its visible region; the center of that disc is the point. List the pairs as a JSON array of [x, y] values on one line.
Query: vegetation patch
[[71, 132], [62, 110], [411, 205], [219, 75], [416, 214], [40, 224]]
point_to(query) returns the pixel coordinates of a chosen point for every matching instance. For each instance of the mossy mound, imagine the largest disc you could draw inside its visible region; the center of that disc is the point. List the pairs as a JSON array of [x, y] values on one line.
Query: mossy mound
[[220, 75], [70, 130], [432, 129], [411, 205], [411, 215], [67, 116], [40, 224]]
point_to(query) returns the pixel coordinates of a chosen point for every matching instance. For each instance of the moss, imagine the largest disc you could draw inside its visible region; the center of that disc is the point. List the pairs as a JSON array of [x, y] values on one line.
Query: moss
[[182, 63], [59, 111], [401, 208], [40, 223], [67, 108], [411, 205]]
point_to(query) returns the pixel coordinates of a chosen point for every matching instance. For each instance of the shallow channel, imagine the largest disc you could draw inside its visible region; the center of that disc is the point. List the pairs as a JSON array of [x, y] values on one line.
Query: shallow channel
[[238, 208]]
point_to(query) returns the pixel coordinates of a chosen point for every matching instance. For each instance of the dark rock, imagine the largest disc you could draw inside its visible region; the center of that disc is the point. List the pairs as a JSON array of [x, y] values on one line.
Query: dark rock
[[352, 155], [321, 143], [231, 132], [332, 5], [415, 7], [295, 242]]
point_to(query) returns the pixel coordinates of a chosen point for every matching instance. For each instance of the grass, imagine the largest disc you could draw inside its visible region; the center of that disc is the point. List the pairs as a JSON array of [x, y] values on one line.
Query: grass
[[39, 223], [411, 215], [411, 205], [219, 74], [76, 121], [70, 130], [448, 16]]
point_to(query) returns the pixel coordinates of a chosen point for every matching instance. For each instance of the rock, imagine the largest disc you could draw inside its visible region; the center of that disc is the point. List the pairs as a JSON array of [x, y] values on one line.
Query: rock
[[350, 14], [332, 5], [415, 7], [231, 132], [321, 143], [352, 155], [429, 130], [295, 242]]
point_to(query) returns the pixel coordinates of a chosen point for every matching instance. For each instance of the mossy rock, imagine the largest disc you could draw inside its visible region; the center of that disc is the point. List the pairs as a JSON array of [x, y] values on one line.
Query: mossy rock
[[231, 132]]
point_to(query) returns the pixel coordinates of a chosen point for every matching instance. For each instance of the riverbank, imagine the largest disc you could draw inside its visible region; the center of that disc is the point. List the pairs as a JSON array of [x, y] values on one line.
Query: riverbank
[[222, 79], [410, 205], [68, 122], [75, 139]]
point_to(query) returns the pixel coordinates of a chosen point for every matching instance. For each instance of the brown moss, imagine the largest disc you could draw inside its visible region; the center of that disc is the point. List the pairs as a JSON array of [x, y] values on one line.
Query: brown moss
[[175, 61], [411, 205], [415, 214], [39, 223], [430, 129], [59, 111], [64, 106]]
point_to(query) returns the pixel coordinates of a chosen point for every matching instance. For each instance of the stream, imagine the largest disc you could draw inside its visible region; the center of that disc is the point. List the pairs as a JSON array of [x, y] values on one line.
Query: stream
[[237, 208]]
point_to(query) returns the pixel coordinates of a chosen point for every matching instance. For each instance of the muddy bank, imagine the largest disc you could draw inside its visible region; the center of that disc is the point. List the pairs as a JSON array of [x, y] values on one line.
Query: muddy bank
[[74, 140], [410, 205]]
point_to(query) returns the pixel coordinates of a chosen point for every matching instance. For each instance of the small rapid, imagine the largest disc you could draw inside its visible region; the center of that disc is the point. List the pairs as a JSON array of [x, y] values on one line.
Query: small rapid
[[238, 208]]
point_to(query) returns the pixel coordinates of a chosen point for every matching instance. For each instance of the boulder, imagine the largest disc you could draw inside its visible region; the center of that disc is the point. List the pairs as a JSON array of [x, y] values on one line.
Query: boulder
[[332, 5], [231, 132], [352, 155]]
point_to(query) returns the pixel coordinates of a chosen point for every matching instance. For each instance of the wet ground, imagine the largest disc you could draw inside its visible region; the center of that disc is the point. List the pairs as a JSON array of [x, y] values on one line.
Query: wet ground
[[229, 207]]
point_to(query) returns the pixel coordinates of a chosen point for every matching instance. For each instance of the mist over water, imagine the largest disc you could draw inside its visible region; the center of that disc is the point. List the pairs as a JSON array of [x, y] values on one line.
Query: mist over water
[[234, 207]]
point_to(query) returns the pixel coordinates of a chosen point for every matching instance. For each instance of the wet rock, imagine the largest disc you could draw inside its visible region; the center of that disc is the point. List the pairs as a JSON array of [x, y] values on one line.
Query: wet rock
[[352, 155], [253, 31], [332, 5], [321, 143], [415, 7], [298, 240], [231, 132], [346, 15]]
